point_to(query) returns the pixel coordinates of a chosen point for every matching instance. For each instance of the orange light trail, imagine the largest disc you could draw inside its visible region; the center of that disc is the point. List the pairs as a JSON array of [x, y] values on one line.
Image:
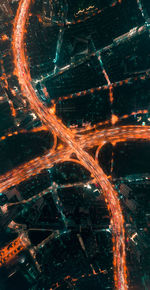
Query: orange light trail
[[115, 135], [66, 135], [47, 160], [53, 124], [109, 87], [10, 251], [24, 131], [32, 168]]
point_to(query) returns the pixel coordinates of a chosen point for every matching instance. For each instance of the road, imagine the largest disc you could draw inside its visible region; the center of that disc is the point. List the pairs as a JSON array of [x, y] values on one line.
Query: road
[[49, 119], [75, 144]]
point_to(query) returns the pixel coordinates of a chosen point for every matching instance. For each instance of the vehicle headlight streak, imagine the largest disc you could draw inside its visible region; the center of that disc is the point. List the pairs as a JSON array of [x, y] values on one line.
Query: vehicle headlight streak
[[49, 119]]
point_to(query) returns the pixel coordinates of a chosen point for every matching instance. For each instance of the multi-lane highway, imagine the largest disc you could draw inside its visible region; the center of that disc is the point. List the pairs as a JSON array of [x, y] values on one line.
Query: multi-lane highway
[[51, 121], [74, 144]]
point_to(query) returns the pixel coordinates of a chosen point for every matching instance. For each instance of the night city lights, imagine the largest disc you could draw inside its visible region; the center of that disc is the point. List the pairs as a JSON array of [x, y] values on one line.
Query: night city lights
[[75, 144]]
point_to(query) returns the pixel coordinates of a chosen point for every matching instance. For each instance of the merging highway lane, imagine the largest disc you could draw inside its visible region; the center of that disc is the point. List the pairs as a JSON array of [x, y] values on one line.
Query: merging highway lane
[[88, 140], [53, 124], [74, 144]]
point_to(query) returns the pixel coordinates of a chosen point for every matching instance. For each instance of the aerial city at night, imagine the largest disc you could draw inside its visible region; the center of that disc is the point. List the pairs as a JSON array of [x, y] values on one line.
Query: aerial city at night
[[75, 144]]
